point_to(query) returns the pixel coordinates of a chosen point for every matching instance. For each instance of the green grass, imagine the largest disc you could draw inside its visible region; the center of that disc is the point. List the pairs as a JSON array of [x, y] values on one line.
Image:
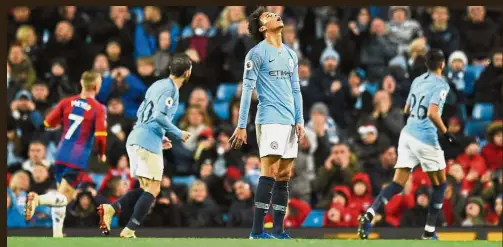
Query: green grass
[[203, 242]]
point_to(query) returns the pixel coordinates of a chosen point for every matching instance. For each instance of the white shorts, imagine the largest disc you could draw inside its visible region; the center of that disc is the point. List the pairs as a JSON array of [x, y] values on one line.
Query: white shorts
[[412, 152], [144, 163], [277, 139]]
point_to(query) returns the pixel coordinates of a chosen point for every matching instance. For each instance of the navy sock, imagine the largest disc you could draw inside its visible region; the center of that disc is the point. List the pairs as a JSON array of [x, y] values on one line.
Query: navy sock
[[262, 201], [279, 203], [127, 200], [140, 210], [383, 197], [436, 201]]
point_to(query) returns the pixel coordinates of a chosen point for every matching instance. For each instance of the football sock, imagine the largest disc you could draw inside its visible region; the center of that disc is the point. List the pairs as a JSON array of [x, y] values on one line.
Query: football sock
[[262, 201], [53, 199], [128, 200], [437, 199], [279, 204], [58, 218], [141, 209], [383, 197]]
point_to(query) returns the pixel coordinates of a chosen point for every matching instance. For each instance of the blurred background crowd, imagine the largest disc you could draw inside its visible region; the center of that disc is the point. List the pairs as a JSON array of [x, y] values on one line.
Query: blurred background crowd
[[356, 66]]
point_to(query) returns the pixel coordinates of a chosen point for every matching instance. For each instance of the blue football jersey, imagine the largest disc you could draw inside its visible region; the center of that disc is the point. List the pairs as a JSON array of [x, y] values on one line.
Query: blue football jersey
[[426, 89], [274, 72], [154, 117]]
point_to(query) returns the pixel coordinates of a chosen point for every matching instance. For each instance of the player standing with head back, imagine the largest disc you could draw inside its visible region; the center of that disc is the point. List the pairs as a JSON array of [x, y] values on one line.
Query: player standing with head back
[[145, 144], [419, 143], [83, 119], [272, 67]]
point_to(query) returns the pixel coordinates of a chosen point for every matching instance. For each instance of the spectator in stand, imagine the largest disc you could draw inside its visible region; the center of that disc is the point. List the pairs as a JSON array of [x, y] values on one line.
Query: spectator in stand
[[479, 35], [339, 214], [389, 84], [328, 86], [27, 119], [370, 144], [493, 151], [440, 34], [162, 57], [304, 78], [200, 97], [362, 22], [474, 165], [412, 60], [252, 169], [145, 68], [235, 50], [118, 25], [117, 57], [389, 120], [201, 211], [455, 127], [194, 121], [403, 29], [454, 203], [458, 75], [474, 212], [42, 181], [333, 39], [117, 123], [241, 209], [382, 172], [167, 211], [18, 188], [304, 169], [121, 170], [146, 33], [489, 86], [115, 188], [416, 216], [27, 38], [40, 92], [396, 207], [339, 169], [59, 81], [14, 145], [361, 193], [101, 65], [121, 83], [71, 14], [230, 19], [22, 72], [18, 16], [377, 49], [82, 212], [15, 212], [290, 39], [494, 216], [64, 44], [326, 131]]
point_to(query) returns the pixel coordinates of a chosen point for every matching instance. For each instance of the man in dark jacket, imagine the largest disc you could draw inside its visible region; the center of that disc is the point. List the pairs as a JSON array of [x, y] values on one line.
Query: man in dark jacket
[[382, 172], [440, 34], [416, 216], [241, 209], [488, 88]]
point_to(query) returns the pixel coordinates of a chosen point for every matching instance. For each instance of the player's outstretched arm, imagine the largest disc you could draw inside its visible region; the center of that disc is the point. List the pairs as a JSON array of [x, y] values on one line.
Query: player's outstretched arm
[[53, 120], [297, 100], [171, 129]]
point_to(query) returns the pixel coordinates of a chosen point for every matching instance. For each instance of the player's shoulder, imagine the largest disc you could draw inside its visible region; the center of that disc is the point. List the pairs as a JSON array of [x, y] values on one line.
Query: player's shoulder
[[291, 52], [95, 104], [257, 52]]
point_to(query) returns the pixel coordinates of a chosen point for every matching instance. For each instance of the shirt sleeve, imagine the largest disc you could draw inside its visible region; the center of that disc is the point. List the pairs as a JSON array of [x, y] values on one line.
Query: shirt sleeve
[[160, 114], [55, 116], [297, 95], [101, 129], [252, 68], [439, 95]]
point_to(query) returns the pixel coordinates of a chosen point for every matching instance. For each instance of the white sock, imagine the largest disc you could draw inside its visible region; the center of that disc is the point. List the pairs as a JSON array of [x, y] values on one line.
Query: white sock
[[371, 211], [429, 228], [53, 199], [58, 218]]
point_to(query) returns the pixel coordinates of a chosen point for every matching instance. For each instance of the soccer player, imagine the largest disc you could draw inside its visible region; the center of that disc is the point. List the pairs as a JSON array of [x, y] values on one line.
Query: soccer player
[[273, 68], [83, 120], [419, 143], [145, 144]]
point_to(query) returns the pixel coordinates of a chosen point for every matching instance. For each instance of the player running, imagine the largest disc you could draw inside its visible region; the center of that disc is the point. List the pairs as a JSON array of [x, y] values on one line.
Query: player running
[[83, 119], [272, 67], [145, 144], [419, 143]]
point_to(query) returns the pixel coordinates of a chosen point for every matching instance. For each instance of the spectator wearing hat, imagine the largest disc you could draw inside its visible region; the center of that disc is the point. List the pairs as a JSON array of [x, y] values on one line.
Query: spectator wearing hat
[[361, 192], [493, 151], [370, 143], [241, 209], [59, 81], [22, 72], [403, 29], [440, 34], [459, 78], [338, 213], [27, 119], [474, 212], [416, 216], [479, 35]]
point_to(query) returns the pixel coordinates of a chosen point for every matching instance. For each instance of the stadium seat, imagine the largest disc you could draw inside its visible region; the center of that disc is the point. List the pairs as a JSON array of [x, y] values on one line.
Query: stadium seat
[[476, 128], [186, 180], [483, 112], [115, 222], [179, 112], [222, 109], [226, 91], [97, 178], [314, 219]]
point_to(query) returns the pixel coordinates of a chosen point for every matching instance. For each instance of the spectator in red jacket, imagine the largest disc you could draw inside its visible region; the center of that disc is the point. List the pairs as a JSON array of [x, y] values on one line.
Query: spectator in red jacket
[[361, 198], [398, 204], [454, 202], [122, 171], [473, 164], [493, 151], [296, 213], [339, 214], [494, 216]]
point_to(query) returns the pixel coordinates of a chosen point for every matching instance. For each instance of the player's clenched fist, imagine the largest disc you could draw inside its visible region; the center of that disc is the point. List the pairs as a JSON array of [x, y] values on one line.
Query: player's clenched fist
[[166, 143], [299, 130], [238, 138], [185, 136]]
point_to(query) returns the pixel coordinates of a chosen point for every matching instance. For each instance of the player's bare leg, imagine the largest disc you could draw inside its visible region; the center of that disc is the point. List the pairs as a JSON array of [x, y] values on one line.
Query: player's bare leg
[[399, 179], [268, 172], [280, 197], [438, 181]]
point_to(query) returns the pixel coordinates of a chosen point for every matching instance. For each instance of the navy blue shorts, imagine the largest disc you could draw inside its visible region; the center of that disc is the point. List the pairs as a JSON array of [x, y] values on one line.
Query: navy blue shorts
[[71, 175]]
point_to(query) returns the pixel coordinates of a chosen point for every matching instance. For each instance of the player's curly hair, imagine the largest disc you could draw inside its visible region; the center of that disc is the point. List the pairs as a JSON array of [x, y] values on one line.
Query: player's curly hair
[[254, 24]]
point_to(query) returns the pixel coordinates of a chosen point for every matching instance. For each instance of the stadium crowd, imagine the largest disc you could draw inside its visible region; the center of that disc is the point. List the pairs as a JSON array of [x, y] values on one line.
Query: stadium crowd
[[356, 67]]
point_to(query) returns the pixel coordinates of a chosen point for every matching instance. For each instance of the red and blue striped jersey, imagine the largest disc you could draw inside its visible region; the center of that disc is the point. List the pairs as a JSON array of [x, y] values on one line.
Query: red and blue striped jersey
[[82, 120]]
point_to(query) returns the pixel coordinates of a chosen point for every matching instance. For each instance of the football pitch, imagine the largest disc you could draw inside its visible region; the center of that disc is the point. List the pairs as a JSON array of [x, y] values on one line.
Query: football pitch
[[203, 242]]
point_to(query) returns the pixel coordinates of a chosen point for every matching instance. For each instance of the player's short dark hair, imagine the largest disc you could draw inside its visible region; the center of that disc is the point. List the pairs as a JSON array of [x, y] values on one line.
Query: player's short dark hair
[[254, 24], [434, 59], [179, 64]]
